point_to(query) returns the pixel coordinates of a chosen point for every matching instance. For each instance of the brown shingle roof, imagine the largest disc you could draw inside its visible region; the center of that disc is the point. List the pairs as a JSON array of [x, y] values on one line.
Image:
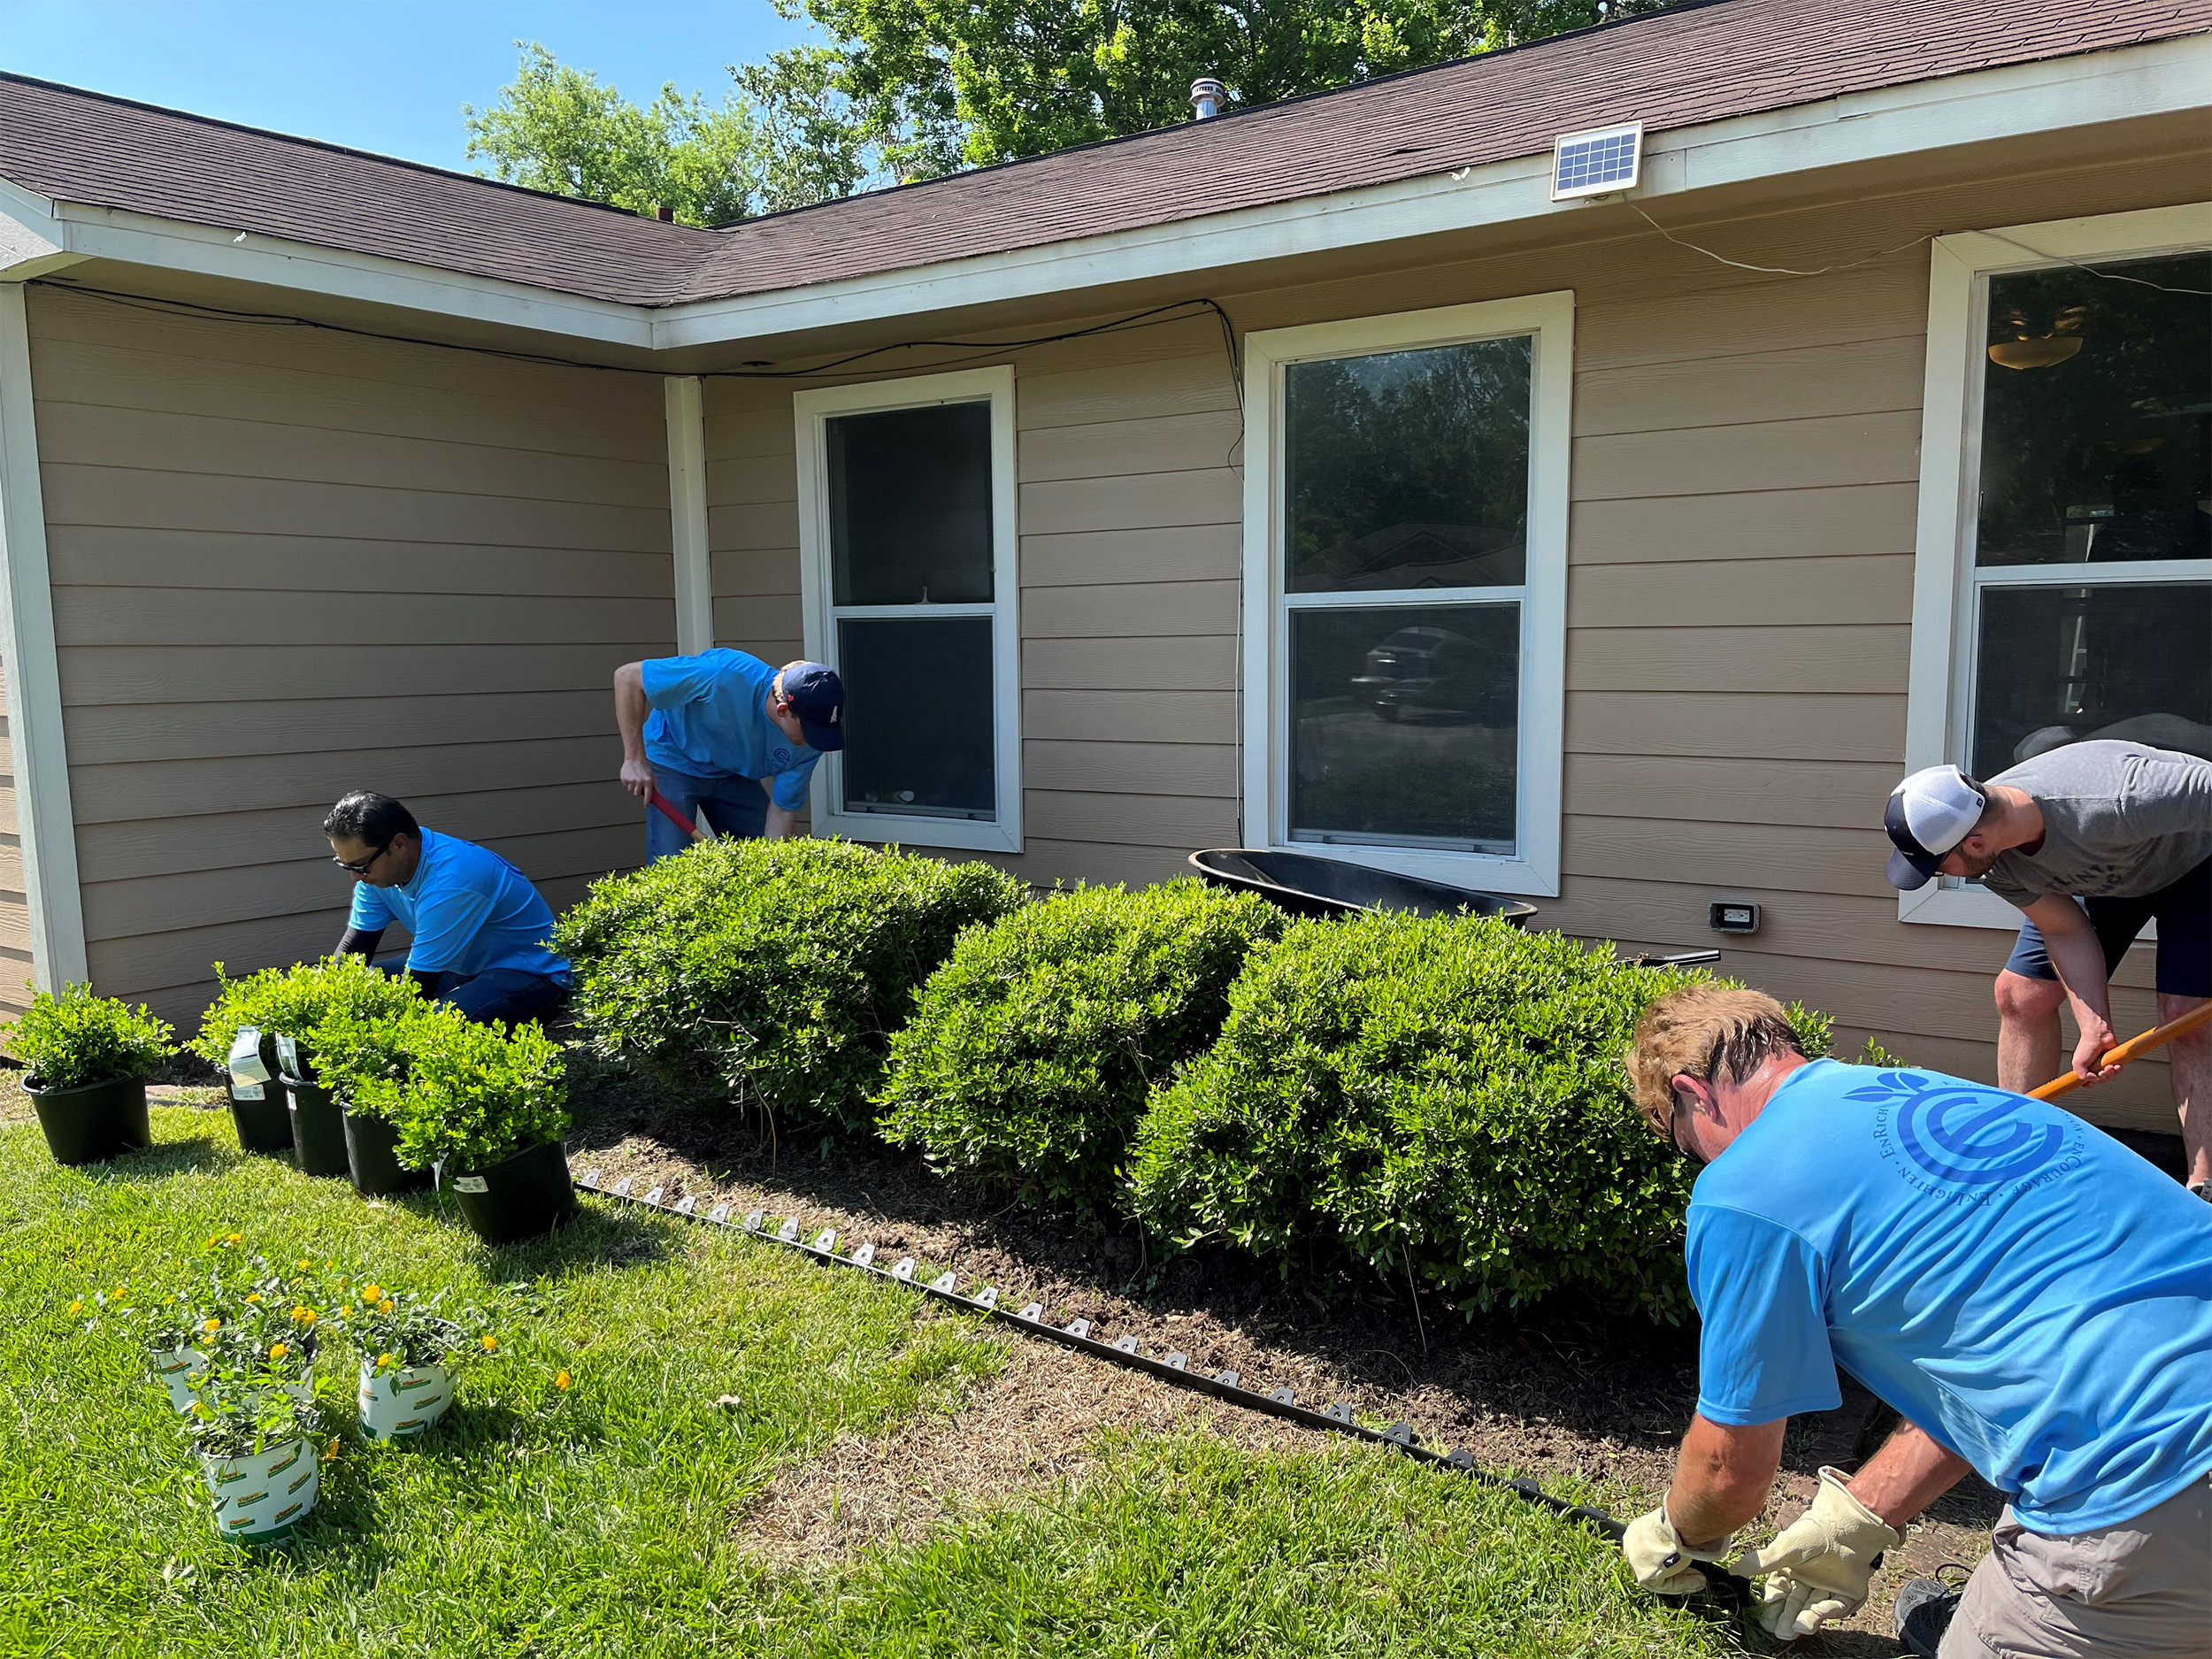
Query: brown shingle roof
[[1675, 69]]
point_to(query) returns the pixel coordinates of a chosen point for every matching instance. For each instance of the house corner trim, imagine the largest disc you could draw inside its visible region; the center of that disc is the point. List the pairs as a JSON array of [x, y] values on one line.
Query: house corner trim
[[687, 513], [27, 655]]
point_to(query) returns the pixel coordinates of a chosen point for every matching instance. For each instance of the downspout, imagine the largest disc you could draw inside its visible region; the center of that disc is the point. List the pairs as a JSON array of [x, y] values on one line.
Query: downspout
[[33, 675], [687, 513]]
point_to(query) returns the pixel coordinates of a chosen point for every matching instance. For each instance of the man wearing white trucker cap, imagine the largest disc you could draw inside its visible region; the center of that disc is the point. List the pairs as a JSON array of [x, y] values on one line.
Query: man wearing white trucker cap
[[2092, 840]]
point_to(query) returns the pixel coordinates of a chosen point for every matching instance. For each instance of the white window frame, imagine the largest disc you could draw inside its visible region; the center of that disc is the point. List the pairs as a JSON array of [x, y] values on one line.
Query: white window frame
[[812, 411], [1940, 692], [1549, 321]]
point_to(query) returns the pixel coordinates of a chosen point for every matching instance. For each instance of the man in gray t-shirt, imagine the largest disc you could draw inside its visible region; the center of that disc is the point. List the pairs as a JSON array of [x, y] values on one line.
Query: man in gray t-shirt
[[2092, 840]]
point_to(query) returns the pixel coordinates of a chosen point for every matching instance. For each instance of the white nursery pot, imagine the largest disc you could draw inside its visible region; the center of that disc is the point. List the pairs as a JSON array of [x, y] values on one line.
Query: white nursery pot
[[266, 1495], [404, 1402], [175, 1368]]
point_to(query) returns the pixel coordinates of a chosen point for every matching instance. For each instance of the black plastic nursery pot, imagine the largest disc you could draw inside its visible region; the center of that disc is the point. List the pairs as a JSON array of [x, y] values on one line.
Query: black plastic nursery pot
[[318, 1129], [264, 1125], [518, 1197], [94, 1122], [373, 1160]]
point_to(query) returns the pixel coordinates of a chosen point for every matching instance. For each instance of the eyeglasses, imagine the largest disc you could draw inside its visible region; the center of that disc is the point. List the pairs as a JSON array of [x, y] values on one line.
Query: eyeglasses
[[365, 865]]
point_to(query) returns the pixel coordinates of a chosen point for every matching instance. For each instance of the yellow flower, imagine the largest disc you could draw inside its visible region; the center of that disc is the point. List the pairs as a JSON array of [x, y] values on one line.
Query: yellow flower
[[303, 1315], [78, 1306], [253, 1296], [198, 1408], [331, 1451], [213, 1325], [232, 1238], [372, 1293], [490, 1342], [278, 1350], [303, 1263], [386, 1305], [561, 1380], [385, 1362]]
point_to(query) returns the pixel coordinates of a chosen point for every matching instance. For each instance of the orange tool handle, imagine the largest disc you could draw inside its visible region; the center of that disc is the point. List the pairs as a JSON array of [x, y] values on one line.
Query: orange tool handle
[[2132, 1049], [673, 816]]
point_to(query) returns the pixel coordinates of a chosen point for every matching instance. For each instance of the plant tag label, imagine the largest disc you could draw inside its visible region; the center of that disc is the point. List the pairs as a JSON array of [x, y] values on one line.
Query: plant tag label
[[246, 1072], [469, 1184], [288, 1056]]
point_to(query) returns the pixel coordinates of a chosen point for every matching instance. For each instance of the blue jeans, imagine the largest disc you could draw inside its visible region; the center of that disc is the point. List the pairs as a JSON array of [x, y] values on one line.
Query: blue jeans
[[734, 806], [508, 994]]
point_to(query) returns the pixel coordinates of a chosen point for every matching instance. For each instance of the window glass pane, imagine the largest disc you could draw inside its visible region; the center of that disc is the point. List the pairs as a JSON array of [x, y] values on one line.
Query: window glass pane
[[1404, 724], [910, 500], [2058, 665], [2096, 404], [1408, 469], [918, 717]]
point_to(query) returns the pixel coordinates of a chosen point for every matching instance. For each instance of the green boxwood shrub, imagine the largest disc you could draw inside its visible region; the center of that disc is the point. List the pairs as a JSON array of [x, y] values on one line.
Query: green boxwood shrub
[[291, 1001], [1443, 1099], [460, 1094], [71, 1039], [1029, 1056], [776, 970]]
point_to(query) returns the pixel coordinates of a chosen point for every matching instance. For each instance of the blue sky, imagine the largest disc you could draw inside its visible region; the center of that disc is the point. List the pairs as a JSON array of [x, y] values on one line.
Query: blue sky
[[386, 75]]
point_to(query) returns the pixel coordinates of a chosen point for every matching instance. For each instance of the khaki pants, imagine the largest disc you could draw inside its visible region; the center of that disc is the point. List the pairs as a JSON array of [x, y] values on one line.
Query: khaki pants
[[2140, 1590]]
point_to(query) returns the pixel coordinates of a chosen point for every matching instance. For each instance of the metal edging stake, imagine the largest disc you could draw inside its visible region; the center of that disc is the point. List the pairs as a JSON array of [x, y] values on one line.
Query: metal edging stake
[[1174, 1367]]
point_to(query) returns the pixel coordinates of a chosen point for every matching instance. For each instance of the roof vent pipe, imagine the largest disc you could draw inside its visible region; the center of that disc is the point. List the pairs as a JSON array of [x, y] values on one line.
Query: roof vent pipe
[[1207, 95]]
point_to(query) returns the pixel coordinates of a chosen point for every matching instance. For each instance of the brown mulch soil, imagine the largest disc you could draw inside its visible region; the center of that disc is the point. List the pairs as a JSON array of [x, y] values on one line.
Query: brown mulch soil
[[1560, 1393]]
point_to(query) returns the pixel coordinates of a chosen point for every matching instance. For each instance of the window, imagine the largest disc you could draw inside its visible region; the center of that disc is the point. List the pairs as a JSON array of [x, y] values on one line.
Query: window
[[2065, 588], [1405, 585], [907, 547]]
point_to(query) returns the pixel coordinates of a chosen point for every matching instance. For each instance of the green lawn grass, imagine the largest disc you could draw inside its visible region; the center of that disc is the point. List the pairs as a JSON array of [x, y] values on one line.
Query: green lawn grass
[[603, 1520]]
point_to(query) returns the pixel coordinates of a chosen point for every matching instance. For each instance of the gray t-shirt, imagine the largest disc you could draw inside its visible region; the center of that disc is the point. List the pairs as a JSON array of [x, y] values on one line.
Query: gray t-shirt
[[2120, 821]]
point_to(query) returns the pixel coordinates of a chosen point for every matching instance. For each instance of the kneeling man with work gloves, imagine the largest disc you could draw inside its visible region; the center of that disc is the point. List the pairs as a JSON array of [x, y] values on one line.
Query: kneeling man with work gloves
[[2034, 1299]]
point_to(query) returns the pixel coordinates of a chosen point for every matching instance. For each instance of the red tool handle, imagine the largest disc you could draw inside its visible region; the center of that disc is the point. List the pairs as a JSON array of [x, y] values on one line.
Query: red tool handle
[[673, 816], [2129, 1050]]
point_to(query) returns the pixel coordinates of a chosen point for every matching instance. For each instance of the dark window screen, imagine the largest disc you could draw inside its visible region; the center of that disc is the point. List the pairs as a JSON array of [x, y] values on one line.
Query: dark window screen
[[910, 503], [1404, 726], [2060, 664], [918, 716]]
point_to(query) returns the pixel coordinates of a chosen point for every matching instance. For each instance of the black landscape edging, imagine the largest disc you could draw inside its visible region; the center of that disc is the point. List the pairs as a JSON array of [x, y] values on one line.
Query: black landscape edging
[[1173, 1369]]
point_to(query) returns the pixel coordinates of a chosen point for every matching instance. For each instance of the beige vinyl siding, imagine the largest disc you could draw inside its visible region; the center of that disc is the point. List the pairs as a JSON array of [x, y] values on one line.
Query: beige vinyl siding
[[289, 563], [1744, 489]]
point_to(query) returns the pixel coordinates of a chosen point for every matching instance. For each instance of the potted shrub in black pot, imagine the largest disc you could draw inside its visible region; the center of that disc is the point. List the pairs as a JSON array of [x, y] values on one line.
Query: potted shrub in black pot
[[484, 1108], [86, 1060], [351, 1045], [233, 1039]]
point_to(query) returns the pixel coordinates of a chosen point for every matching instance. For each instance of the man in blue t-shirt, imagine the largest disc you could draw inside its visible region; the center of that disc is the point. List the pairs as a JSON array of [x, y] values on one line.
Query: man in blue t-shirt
[[2033, 1299], [478, 927], [705, 729]]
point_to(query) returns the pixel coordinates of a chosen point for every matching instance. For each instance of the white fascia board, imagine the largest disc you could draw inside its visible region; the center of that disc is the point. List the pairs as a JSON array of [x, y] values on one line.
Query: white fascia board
[[128, 238], [2163, 78], [31, 238]]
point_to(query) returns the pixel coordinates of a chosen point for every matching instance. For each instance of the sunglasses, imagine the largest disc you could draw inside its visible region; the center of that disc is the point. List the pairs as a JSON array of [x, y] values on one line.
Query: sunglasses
[[365, 865]]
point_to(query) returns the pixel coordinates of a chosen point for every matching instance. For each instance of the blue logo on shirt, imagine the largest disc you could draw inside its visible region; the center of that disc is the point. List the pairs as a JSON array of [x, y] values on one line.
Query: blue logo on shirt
[[780, 756], [1963, 1134]]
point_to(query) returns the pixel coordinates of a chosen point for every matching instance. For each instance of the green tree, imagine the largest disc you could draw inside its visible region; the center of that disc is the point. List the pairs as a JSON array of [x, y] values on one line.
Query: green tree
[[917, 88]]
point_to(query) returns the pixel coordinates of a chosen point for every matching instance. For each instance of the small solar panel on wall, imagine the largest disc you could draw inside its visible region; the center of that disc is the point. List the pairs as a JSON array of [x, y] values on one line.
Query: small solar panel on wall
[[1598, 162]]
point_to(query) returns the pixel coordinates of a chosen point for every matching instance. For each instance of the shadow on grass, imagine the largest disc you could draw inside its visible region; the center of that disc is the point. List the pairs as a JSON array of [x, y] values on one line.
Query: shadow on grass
[[599, 1235], [196, 1155]]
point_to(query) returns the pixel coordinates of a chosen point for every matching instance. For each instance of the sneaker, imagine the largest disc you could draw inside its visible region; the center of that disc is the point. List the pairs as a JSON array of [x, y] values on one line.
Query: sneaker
[[1924, 1608]]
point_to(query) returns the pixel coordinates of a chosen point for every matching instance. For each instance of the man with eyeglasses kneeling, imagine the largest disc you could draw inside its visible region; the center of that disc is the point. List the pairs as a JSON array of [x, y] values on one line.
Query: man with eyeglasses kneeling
[[479, 928], [2033, 1298]]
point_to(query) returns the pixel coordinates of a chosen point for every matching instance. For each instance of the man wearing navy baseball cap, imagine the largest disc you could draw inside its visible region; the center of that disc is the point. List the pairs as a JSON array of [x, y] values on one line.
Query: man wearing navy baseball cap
[[706, 732], [2092, 840]]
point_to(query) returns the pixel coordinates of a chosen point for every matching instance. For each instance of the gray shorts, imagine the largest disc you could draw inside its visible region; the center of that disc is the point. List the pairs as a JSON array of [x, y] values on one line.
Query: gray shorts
[[2140, 1590]]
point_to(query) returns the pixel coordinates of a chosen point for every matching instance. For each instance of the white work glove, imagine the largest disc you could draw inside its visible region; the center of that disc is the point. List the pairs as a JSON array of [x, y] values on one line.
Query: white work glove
[[1659, 1559], [1820, 1566]]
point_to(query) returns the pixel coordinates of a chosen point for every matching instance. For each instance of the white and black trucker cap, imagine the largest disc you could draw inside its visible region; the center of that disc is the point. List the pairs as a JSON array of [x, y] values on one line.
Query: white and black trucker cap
[[1929, 814]]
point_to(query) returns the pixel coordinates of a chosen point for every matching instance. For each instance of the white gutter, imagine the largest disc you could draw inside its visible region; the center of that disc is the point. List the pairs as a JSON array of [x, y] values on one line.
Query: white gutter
[[2166, 77]]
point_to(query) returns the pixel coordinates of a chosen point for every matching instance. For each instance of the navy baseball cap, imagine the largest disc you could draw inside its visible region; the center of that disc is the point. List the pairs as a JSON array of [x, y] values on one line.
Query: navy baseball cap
[[1929, 814], [817, 696]]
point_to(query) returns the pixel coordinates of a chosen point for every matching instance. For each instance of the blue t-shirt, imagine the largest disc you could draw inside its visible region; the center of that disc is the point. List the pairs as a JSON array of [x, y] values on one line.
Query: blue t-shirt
[[710, 719], [2019, 1285], [469, 909]]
